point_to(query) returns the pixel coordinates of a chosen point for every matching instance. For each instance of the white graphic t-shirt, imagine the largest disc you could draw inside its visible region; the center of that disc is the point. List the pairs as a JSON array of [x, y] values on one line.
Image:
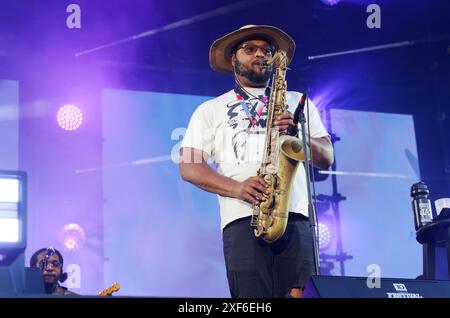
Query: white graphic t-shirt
[[234, 140]]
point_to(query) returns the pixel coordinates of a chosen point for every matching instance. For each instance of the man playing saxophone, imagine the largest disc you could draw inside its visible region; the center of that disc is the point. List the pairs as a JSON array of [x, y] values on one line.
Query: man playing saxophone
[[230, 130]]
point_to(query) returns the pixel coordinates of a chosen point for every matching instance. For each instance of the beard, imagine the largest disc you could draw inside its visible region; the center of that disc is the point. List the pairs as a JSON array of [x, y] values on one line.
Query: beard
[[251, 75]]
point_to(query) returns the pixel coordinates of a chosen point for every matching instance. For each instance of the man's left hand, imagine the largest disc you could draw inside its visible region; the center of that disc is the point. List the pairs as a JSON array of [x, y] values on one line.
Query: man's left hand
[[283, 121]]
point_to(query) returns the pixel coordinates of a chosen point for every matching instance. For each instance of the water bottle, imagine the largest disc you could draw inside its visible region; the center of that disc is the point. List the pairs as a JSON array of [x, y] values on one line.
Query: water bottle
[[421, 205]]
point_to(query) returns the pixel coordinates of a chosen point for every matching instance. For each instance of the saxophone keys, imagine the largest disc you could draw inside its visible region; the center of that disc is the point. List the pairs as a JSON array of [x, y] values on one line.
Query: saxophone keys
[[271, 169]]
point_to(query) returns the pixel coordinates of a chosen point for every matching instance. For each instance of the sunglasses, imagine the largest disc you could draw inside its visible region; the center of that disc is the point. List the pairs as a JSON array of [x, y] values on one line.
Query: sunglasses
[[251, 49], [55, 263]]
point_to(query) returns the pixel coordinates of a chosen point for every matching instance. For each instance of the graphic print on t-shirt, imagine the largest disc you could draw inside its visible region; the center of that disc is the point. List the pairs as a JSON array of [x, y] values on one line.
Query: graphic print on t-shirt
[[240, 123]]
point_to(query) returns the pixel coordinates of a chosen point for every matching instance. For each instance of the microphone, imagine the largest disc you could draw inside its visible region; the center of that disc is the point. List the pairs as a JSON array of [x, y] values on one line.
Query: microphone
[[50, 251], [293, 129]]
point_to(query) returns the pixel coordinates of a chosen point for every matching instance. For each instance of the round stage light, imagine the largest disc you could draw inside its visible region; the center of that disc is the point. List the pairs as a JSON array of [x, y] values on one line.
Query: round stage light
[[324, 236], [69, 117], [72, 237]]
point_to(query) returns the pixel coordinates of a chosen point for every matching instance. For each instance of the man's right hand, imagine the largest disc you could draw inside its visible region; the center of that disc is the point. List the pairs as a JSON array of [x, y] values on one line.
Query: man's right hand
[[251, 190], [197, 171]]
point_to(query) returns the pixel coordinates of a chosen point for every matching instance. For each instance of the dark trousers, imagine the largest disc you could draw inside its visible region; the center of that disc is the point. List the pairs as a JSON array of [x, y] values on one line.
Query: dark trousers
[[268, 270]]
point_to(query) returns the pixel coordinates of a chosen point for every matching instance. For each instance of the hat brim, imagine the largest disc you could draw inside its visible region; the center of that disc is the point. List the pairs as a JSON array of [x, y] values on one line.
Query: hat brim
[[221, 50]]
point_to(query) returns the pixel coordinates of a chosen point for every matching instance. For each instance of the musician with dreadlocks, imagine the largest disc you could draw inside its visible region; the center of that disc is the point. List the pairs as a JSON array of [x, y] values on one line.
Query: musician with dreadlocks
[[51, 261]]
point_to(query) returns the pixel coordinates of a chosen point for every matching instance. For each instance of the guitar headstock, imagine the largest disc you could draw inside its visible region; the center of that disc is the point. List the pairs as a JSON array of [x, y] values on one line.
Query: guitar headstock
[[108, 291]]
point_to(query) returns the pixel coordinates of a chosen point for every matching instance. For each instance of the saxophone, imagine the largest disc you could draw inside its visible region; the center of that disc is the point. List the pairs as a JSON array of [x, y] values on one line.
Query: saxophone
[[281, 156]]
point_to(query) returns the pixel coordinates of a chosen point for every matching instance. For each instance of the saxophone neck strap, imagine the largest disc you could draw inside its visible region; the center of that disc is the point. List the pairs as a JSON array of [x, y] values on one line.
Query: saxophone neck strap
[[243, 97], [239, 90]]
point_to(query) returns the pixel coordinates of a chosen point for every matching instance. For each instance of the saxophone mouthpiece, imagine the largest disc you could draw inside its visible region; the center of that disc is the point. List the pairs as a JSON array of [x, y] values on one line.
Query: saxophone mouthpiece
[[268, 62], [263, 63], [277, 58]]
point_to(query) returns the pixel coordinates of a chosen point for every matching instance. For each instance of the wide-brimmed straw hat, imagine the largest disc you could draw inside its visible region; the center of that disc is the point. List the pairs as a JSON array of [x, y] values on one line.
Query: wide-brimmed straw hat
[[221, 50]]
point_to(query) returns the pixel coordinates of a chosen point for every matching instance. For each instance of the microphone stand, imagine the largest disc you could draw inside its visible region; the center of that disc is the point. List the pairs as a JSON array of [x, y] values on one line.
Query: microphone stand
[[311, 207]]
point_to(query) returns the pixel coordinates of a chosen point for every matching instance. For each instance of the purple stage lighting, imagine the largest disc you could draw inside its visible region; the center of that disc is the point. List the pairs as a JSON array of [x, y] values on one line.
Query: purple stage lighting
[[324, 236], [330, 2], [72, 237], [69, 117]]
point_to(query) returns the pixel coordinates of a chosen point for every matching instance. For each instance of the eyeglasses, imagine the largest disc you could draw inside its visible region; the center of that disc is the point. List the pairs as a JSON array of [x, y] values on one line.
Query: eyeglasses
[[55, 264], [251, 49]]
